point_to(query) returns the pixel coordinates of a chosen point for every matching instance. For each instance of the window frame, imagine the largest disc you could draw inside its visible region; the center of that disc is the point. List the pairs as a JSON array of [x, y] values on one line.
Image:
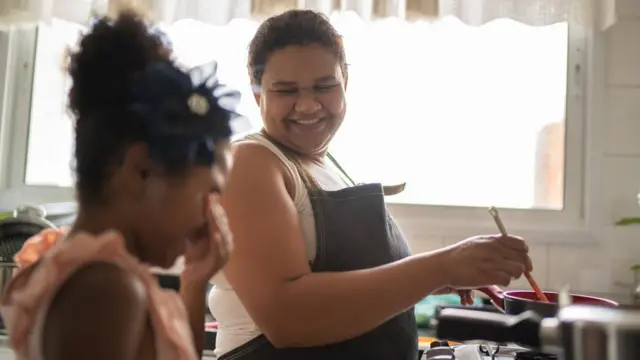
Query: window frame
[[581, 220], [14, 127], [573, 224]]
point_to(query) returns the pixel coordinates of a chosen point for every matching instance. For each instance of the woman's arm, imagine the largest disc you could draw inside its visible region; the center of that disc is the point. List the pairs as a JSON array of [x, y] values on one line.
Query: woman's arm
[[100, 313], [271, 275]]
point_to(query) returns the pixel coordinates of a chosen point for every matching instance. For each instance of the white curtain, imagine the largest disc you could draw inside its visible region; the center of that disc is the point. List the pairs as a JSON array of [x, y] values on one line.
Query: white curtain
[[439, 95], [219, 12]]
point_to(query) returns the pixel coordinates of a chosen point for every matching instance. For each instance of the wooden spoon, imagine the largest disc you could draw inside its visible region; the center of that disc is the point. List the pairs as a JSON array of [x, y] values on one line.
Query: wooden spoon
[[503, 231]]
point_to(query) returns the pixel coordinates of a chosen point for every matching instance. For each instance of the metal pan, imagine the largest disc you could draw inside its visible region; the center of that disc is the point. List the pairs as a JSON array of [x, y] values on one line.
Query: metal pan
[[515, 302]]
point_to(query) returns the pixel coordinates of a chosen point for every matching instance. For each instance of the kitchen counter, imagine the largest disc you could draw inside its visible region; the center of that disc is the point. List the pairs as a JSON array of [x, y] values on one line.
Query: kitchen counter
[[5, 351], [7, 354], [625, 300]]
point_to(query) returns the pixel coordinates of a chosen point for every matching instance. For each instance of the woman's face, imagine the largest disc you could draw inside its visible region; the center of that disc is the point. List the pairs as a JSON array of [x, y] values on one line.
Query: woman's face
[[172, 210], [302, 98]]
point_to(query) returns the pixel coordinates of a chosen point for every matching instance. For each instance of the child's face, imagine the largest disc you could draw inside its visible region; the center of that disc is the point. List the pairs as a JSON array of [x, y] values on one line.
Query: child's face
[[172, 210]]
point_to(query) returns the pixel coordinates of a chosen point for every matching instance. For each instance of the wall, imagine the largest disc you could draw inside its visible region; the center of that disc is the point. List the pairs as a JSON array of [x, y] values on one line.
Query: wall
[[602, 266]]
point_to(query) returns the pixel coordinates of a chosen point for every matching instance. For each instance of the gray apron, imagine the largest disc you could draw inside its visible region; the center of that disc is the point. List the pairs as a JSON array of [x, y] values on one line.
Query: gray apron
[[354, 231]]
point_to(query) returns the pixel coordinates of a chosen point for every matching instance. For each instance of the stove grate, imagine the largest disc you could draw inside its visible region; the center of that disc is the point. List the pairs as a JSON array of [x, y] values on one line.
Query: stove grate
[[532, 355]]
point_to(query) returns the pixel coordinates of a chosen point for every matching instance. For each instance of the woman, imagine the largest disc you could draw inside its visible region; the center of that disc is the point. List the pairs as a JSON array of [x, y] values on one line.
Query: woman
[[151, 156], [323, 272]]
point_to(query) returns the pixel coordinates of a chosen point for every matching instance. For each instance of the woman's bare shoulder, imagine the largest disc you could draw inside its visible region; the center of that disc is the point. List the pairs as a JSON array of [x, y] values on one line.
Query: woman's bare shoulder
[[253, 159], [252, 150]]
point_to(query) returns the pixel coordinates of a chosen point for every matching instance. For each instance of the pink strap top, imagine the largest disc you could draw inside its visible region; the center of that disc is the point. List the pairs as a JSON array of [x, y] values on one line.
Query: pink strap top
[[25, 301]]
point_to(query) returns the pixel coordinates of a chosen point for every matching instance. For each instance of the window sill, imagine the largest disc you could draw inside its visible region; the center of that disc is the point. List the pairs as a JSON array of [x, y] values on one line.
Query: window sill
[[56, 200], [457, 223], [417, 221]]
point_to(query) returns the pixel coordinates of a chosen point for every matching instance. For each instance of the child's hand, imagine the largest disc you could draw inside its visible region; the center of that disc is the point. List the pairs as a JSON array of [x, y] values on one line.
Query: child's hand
[[205, 256]]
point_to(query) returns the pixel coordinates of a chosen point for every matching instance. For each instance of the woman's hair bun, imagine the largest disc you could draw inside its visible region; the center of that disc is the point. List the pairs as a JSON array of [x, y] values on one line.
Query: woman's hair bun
[[107, 60]]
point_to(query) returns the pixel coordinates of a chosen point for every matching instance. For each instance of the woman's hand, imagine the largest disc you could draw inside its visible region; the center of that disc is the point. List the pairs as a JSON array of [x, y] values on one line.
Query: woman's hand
[[466, 298], [205, 256], [486, 260]]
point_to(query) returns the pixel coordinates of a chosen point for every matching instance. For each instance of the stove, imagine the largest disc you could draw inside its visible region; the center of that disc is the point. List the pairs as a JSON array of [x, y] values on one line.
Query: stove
[[440, 350], [480, 350]]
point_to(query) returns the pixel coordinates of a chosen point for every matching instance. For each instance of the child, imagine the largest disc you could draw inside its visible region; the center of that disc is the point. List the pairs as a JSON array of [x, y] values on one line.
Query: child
[[151, 156]]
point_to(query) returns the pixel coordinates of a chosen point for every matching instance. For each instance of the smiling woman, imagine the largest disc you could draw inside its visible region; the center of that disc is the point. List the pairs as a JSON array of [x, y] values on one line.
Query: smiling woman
[[314, 126], [312, 246]]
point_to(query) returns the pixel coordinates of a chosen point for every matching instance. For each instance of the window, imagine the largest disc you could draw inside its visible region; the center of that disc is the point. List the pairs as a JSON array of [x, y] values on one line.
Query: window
[[467, 116], [17, 52], [50, 148]]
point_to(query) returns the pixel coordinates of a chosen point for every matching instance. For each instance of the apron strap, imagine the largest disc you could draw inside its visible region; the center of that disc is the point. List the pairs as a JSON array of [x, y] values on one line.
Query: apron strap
[[387, 189], [337, 165]]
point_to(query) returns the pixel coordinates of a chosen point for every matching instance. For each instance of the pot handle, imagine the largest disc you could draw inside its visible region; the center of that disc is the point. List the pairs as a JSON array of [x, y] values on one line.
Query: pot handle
[[495, 294], [461, 325]]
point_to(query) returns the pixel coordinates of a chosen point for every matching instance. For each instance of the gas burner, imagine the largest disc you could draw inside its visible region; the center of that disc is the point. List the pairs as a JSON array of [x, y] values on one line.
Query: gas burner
[[532, 355], [487, 350], [494, 351], [442, 351]]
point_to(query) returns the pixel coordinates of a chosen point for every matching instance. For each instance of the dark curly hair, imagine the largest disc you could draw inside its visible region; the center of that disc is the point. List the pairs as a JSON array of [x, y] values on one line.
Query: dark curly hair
[[293, 27], [125, 90]]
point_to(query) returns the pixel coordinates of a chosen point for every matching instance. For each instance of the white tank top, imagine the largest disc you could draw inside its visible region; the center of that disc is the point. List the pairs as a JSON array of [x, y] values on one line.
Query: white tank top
[[235, 325]]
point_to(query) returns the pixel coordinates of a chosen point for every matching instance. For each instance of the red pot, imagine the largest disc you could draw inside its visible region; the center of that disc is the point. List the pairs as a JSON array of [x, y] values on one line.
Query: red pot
[[514, 302]]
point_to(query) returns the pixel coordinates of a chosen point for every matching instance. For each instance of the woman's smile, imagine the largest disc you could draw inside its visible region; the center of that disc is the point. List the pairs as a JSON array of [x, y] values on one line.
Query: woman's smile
[[308, 126]]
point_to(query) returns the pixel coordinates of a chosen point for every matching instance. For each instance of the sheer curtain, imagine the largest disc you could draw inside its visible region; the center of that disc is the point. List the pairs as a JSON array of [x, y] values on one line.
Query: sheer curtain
[[435, 99], [218, 12]]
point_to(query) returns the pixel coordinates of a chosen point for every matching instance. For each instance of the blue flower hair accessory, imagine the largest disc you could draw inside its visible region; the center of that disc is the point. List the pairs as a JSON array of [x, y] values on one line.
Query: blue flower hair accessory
[[184, 113]]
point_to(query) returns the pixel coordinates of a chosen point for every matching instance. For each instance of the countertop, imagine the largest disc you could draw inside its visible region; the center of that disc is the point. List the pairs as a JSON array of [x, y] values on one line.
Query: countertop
[[625, 300], [7, 354], [5, 351]]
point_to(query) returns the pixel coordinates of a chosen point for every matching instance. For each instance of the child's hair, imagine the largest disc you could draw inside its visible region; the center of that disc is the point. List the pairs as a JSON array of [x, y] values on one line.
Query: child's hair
[[126, 89], [293, 27]]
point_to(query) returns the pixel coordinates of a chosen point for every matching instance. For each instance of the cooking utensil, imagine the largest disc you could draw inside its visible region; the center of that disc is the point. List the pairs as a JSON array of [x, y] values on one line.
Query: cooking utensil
[[564, 296], [515, 302], [534, 285], [503, 231], [579, 332]]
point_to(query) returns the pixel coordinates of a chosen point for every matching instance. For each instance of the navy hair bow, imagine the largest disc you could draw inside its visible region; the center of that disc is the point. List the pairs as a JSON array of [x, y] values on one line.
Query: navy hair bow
[[183, 113]]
